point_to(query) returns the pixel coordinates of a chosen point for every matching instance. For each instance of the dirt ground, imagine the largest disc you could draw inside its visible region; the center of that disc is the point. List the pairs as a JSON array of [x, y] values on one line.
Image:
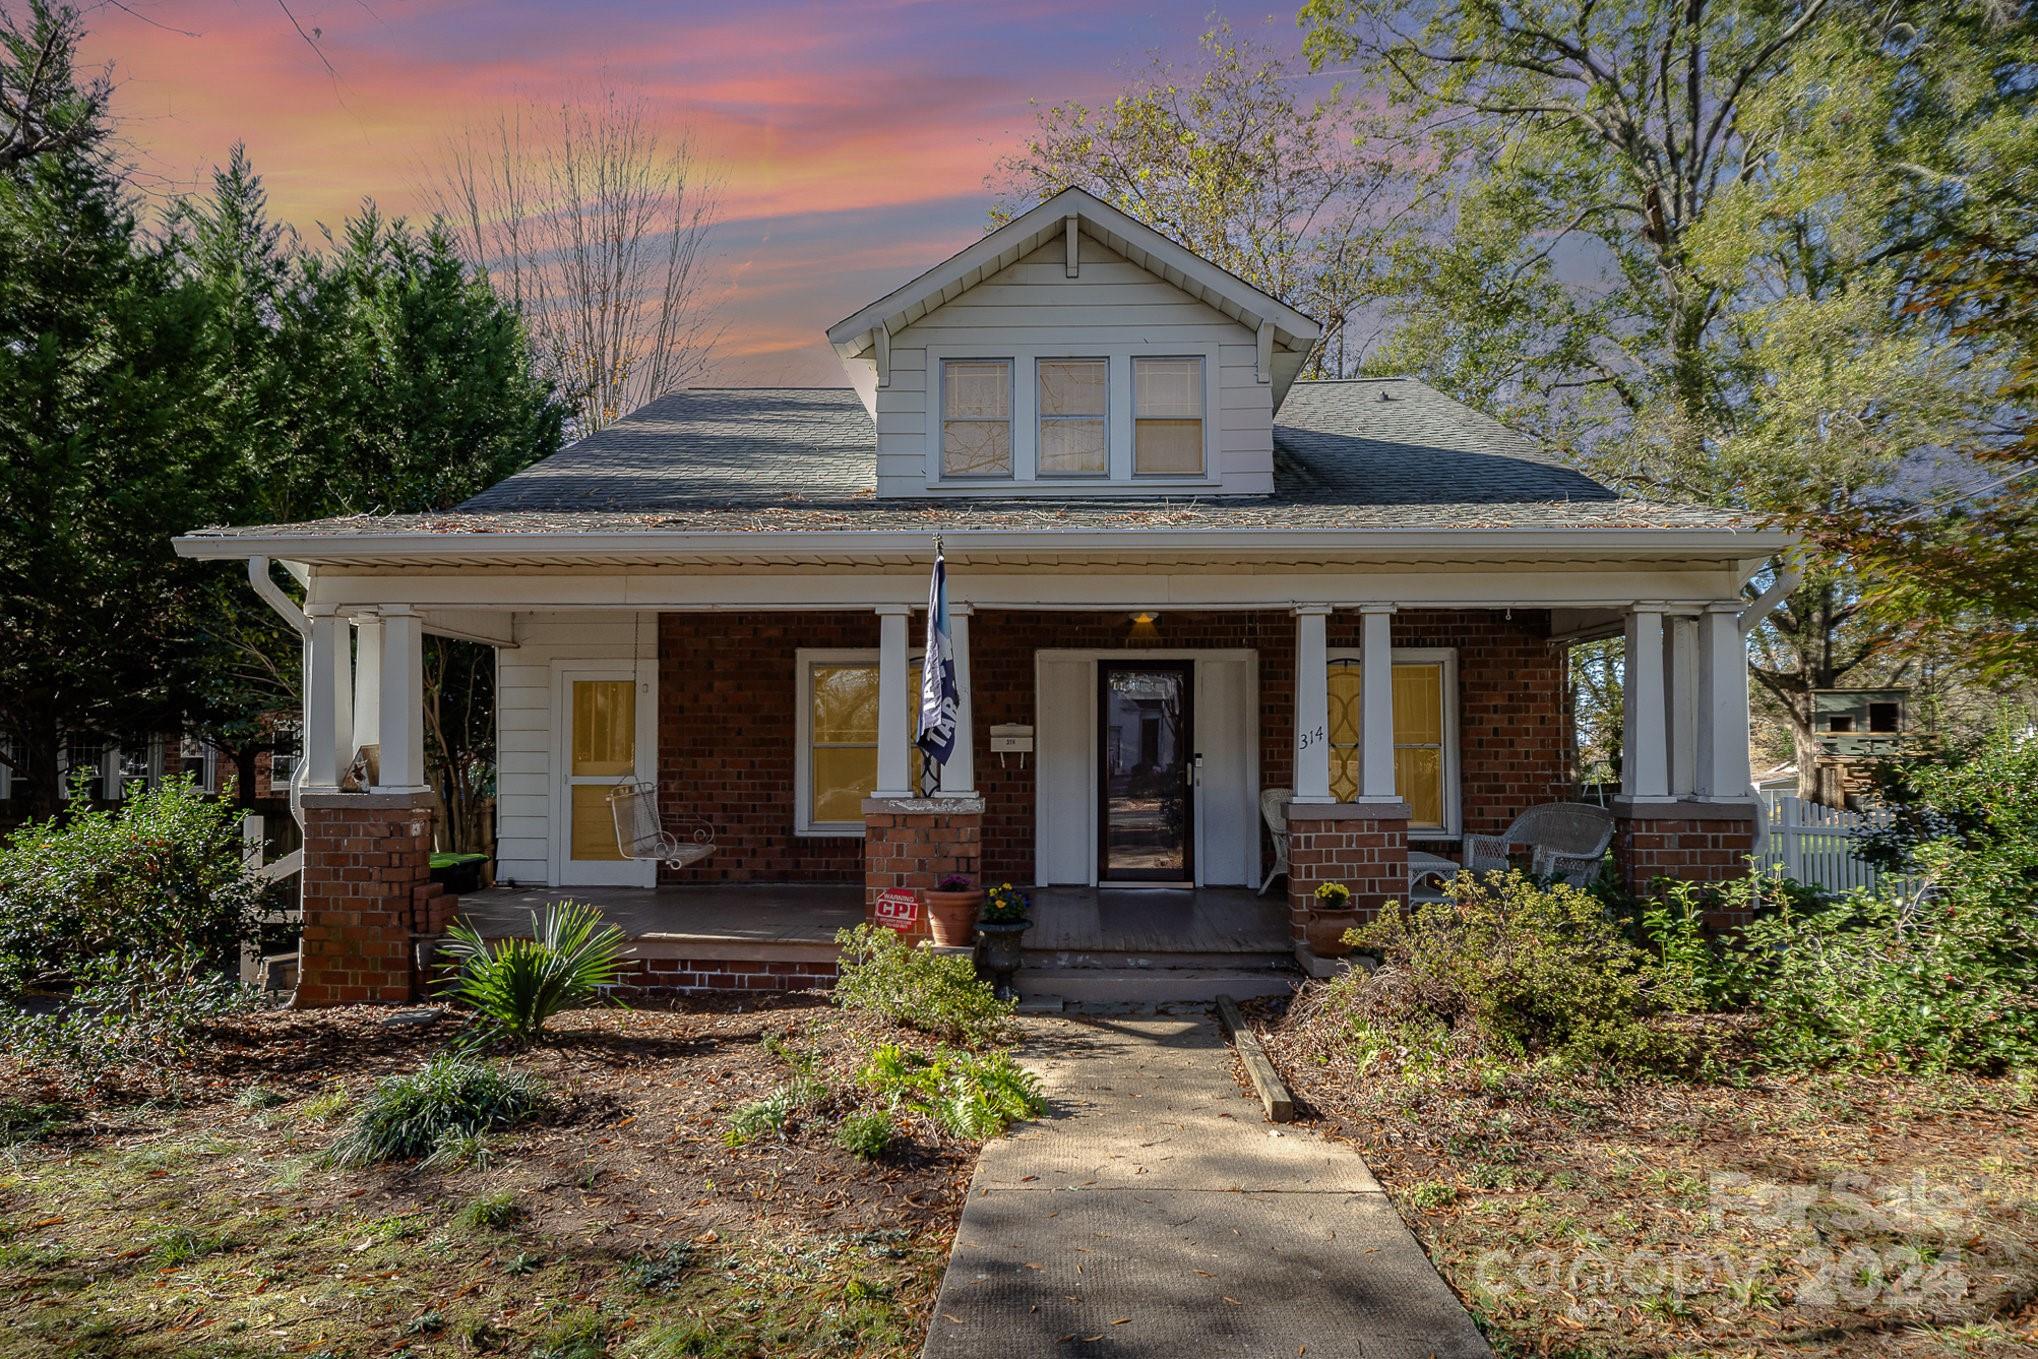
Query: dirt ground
[[1822, 1216], [619, 1222]]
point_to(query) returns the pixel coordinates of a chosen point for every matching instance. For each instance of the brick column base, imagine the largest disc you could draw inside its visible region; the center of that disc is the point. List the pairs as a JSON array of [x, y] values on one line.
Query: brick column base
[[914, 842], [367, 891], [1690, 841], [1362, 845]]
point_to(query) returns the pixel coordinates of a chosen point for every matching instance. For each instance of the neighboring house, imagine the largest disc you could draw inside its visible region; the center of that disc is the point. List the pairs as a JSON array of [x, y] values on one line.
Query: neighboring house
[[1179, 577]]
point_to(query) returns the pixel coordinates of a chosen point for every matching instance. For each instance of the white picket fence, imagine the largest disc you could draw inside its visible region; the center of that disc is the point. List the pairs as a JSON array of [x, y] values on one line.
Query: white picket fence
[[1817, 845]]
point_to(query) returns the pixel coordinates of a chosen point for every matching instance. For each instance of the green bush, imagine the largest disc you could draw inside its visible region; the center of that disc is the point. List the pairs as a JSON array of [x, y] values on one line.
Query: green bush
[[516, 986], [1525, 969], [936, 993], [772, 1114], [866, 1135], [968, 1095], [132, 1022], [162, 875], [433, 1110]]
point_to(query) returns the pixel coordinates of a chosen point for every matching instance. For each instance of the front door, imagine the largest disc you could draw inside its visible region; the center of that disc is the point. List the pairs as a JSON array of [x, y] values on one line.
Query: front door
[[599, 735], [1146, 774]]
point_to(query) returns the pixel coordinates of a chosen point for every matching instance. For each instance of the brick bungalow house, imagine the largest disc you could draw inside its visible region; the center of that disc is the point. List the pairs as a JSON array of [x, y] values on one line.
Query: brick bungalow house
[[1179, 578]]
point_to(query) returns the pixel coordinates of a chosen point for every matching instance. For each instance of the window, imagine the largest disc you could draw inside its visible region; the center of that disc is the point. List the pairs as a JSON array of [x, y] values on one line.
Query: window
[[1074, 397], [976, 418], [604, 750], [284, 739], [1425, 745], [838, 738], [1167, 409]]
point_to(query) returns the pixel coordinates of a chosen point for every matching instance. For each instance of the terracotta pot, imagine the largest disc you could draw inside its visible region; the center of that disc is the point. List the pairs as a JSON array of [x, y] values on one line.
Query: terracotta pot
[[952, 916], [1326, 930]]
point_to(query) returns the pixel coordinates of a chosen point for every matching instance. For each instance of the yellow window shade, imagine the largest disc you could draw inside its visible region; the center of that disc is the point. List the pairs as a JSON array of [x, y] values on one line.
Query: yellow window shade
[[843, 777], [1419, 778], [604, 727], [594, 827], [844, 703], [1418, 735]]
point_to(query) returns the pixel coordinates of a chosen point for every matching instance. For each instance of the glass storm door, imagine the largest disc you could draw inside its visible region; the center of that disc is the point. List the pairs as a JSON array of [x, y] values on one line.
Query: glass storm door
[[1146, 772], [600, 750]]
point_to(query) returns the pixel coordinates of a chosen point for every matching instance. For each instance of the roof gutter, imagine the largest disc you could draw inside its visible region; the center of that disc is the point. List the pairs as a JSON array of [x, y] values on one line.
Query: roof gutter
[[272, 595]]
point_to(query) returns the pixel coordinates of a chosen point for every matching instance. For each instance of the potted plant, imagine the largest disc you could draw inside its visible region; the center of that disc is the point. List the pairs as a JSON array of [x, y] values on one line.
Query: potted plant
[[1329, 919], [1004, 920], [952, 906]]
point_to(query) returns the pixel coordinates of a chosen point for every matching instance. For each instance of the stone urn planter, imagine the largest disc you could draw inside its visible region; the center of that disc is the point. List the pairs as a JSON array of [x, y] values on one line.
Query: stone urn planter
[[952, 907], [1000, 937], [1329, 918]]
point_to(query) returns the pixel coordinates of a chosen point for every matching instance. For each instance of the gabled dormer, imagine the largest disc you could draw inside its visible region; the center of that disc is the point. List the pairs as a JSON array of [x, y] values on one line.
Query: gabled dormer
[[1074, 352]]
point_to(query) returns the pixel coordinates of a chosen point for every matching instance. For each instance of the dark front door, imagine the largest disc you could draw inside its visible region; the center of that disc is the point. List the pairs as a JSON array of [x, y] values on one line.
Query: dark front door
[[1146, 771]]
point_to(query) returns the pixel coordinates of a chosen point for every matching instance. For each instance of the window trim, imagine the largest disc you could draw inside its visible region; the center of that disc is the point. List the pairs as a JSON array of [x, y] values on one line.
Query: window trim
[[943, 419], [1454, 826], [804, 661], [1040, 418], [1132, 449]]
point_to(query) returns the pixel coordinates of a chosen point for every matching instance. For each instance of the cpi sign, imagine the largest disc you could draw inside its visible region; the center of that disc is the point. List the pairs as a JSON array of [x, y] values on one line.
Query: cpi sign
[[898, 908]]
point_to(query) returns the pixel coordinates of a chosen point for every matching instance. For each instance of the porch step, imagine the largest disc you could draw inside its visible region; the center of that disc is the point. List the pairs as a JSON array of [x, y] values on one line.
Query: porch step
[[1147, 960], [1151, 986]]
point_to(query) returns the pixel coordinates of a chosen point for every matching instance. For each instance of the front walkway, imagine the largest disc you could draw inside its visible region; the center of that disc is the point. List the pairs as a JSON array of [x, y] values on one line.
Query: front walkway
[[1154, 1212]]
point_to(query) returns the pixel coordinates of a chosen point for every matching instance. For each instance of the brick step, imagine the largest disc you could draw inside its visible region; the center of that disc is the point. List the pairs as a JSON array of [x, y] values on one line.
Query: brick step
[[1143, 986], [1148, 961]]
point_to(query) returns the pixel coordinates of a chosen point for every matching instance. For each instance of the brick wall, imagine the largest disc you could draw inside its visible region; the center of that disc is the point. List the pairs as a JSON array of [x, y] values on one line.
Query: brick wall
[[366, 891], [1694, 842], [1365, 851], [908, 846], [719, 976]]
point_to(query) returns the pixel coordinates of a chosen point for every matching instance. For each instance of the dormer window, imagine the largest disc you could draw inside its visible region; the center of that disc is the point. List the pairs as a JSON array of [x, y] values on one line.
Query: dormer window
[[976, 418], [1074, 404], [1167, 435]]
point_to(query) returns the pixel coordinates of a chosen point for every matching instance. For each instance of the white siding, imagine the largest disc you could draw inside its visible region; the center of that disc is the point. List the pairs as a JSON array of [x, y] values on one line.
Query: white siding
[[1112, 302], [526, 749]]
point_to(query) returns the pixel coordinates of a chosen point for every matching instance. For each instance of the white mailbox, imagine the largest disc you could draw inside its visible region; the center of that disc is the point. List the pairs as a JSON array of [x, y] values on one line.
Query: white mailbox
[[1011, 738]]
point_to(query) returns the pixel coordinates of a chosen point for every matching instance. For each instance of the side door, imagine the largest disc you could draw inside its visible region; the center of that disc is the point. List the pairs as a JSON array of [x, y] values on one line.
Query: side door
[[603, 735]]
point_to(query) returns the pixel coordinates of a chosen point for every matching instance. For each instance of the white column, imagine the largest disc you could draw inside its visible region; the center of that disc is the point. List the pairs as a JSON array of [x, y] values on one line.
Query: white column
[[367, 682], [1645, 772], [1376, 704], [401, 731], [894, 769], [1722, 704], [1680, 679], [959, 775], [328, 697], [1312, 705]]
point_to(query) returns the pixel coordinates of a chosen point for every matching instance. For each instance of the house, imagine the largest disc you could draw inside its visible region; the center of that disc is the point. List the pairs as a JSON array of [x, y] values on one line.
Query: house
[[1179, 577]]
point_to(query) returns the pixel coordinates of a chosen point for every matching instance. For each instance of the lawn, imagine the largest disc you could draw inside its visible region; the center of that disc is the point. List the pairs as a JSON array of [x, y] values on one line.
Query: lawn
[[1819, 1215], [620, 1222]]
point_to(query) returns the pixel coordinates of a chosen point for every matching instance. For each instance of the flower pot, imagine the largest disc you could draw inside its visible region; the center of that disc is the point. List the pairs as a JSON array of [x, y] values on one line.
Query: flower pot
[[951, 916], [1326, 932], [999, 952]]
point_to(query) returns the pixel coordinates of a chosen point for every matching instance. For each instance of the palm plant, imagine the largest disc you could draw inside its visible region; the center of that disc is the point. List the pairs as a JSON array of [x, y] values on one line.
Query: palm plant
[[516, 985]]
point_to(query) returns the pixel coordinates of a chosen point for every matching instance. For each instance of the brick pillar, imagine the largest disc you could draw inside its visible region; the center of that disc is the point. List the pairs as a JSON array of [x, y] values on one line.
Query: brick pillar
[[1362, 845], [1693, 841], [914, 842], [367, 875]]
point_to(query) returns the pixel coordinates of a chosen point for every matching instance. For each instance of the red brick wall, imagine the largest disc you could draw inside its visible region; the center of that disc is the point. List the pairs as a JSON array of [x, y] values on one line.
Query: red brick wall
[[366, 877], [711, 976], [728, 695], [915, 850], [1680, 844], [1367, 854]]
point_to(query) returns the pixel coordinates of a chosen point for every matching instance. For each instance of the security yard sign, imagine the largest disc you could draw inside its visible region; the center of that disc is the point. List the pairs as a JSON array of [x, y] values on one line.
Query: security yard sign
[[898, 908]]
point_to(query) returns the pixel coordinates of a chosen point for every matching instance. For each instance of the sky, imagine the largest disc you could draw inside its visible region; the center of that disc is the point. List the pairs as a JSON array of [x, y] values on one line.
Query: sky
[[851, 139]]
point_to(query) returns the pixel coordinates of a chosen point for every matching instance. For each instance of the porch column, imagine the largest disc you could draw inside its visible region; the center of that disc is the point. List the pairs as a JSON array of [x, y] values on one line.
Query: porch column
[[1376, 704], [1722, 704], [1645, 773], [367, 682], [959, 775], [400, 731], [328, 697], [1312, 706], [894, 776], [1680, 679]]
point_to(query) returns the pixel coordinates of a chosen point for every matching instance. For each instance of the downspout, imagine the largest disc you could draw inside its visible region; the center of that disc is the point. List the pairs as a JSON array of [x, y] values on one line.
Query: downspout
[[286, 608]]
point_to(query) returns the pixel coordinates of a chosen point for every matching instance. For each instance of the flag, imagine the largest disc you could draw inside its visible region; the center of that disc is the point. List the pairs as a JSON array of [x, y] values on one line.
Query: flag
[[940, 700]]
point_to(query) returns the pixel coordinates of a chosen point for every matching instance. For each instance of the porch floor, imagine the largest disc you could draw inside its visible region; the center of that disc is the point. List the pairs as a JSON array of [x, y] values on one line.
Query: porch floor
[[777, 918]]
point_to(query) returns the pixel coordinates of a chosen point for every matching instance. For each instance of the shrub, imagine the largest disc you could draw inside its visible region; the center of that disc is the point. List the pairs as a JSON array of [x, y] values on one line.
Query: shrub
[[967, 1095], [866, 1135], [161, 875], [449, 1099], [491, 1211], [774, 1112], [936, 993], [1528, 969], [517, 985], [131, 1022]]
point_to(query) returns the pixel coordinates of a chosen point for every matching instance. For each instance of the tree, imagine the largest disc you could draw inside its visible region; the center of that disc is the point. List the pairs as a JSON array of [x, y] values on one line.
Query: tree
[[596, 230], [1289, 195], [1680, 241], [44, 109]]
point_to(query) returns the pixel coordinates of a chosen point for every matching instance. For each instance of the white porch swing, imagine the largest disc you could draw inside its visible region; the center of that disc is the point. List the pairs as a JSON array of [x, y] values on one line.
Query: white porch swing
[[641, 832]]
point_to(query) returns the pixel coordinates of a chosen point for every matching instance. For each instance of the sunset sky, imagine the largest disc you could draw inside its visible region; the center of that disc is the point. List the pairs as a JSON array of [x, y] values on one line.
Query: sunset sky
[[852, 138]]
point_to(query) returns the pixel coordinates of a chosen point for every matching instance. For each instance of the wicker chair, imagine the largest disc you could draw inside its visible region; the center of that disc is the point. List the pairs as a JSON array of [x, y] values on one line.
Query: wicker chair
[[641, 833], [1567, 840], [1274, 811]]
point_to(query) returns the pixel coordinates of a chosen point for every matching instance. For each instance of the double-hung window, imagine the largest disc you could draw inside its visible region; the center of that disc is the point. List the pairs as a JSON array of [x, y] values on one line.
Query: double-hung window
[[976, 418], [838, 742], [1073, 407], [1425, 735], [1167, 410]]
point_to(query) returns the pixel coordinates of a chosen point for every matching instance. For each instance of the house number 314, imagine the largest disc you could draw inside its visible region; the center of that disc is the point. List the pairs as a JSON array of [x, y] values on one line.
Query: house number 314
[[1310, 739]]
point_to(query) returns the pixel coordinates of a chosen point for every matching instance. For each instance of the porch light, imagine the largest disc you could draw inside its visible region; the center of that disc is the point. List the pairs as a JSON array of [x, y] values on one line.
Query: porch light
[[1143, 629]]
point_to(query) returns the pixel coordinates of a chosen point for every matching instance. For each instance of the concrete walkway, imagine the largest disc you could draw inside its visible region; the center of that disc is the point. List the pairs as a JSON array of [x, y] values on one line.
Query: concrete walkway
[[1155, 1212]]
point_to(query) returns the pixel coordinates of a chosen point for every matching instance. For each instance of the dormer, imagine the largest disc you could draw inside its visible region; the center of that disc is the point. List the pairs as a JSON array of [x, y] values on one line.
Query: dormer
[[1074, 352]]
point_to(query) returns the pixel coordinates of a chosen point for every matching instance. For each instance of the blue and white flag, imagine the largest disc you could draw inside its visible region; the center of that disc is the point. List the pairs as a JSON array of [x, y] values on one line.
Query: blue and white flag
[[940, 700]]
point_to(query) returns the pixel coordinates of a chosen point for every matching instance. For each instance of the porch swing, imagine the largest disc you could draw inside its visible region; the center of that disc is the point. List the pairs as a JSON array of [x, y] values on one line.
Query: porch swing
[[641, 833]]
